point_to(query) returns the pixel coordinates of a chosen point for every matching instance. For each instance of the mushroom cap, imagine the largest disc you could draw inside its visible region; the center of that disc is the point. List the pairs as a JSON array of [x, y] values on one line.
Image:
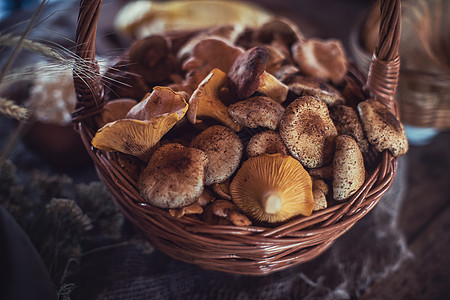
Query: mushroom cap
[[224, 150], [245, 72], [322, 59], [162, 100], [114, 110], [258, 111], [382, 128], [205, 101], [308, 131], [348, 168], [302, 86], [173, 177], [272, 188], [279, 29], [268, 141]]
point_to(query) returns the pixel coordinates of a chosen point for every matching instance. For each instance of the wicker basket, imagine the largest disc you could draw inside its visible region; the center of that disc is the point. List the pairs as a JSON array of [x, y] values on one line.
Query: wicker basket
[[423, 96], [251, 250]]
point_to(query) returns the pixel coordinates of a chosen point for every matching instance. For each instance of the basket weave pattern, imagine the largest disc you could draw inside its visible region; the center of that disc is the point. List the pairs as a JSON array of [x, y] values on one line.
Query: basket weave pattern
[[249, 250]]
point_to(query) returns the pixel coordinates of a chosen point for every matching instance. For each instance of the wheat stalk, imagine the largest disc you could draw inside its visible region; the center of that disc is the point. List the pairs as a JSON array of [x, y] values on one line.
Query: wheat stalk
[[9, 108]]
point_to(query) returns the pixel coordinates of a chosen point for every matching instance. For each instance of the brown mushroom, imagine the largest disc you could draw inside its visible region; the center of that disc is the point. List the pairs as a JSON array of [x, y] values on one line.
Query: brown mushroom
[[324, 172], [272, 188], [320, 190], [192, 209], [205, 101], [222, 189], [257, 111], [247, 75], [348, 168], [268, 141], [279, 29], [302, 86], [114, 110], [383, 129], [173, 177], [308, 131], [224, 150], [322, 59], [226, 209]]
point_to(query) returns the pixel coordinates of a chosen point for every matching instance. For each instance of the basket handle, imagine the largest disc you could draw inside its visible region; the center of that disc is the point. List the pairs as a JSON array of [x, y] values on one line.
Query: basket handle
[[385, 64], [381, 81]]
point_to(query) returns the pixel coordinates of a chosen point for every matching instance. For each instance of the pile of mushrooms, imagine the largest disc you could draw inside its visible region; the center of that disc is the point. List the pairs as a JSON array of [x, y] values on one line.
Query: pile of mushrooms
[[243, 125]]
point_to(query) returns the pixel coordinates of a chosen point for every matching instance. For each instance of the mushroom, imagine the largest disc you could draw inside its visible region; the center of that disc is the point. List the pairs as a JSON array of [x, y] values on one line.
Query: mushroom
[[382, 128], [224, 150], [320, 190], [348, 168], [152, 59], [308, 131], [272, 188], [138, 137], [191, 209], [322, 59], [257, 111], [224, 212], [205, 101], [279, 29], [114, 110], [268, 141], [302, 86], [325, 172], [247, 75], [173, 177], [222, 189]]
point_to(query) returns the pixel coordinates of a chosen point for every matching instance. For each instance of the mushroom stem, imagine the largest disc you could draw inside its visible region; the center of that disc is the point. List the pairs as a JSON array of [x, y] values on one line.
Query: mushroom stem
[[271, 202]]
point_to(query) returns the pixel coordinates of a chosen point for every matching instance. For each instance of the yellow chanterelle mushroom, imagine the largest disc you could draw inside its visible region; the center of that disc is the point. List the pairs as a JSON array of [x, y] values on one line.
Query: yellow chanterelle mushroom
[[272, 188]]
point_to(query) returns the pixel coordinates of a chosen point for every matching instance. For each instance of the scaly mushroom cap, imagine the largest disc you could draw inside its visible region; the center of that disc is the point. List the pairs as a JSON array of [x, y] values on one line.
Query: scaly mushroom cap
[[308, 131], [162, 100], [268, 141], [303, 86], [224, 150], [320, 59], [205, 101], [382, 128], [245, 72], [348, 168], [258, 111], [114, 110], [272, 188], [173, 177]]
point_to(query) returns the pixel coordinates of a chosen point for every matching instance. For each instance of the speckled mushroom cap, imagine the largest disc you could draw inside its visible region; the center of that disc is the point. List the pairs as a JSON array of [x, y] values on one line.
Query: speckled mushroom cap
[[303, 86], [258, 111], [308, 131], [223, 149], [245, 72], [348, 168], [174, 176], [272, 188], [268, 141], [382, 128]]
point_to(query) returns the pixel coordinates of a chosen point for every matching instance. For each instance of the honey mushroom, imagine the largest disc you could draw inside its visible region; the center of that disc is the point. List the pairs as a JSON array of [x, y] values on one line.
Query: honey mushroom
[[257, 111], [247, 75], [272, 188], [268, 141], [348, 168], [321, 59], [383, 129], [223, 149], [143, 127], [308, 131], [205, 101], [173, 177]]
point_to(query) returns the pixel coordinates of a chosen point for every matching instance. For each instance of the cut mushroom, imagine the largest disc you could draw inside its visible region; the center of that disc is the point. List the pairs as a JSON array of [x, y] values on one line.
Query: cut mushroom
[[205, 101], [224, 150], [173, 177], [348, 168], [382, 128], [308, 131], [268, 141], [322, 59], [272, 188], [258, 111], [302, 86]]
